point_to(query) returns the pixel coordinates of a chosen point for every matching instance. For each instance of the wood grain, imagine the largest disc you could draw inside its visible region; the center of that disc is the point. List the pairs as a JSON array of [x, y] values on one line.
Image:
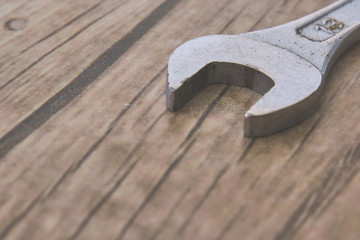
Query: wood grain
[[88, 149]]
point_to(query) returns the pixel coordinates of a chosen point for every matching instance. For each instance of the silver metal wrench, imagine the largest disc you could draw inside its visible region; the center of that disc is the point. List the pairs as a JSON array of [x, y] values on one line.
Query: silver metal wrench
[[288, 64]]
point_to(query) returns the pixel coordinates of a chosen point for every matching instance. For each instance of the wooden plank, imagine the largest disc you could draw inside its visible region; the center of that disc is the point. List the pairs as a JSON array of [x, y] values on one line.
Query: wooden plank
[[23, 91], [89, 151], [42, 21]]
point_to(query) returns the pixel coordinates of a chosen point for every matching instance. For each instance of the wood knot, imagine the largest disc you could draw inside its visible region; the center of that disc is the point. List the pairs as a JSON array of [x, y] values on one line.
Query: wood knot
[[16, 24]]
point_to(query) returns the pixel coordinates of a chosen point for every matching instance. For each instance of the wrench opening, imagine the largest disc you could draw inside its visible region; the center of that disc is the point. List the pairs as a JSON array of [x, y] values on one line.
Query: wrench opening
[[219, 73]]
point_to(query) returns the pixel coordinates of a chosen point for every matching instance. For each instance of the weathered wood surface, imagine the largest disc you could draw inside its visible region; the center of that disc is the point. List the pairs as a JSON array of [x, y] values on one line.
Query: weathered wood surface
[[89, 151]]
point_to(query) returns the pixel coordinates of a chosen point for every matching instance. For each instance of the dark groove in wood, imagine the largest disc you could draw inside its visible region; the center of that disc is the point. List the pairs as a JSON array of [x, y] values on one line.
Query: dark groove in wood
[[115, 121], [56, 48], [60, 181], [155, 122], [63, 26], [138, 95], [246, 151], [206, 114], [356, 153], [19, 218], [99, 205], [127, 159], [75, 167], [152, 104], [230, 224], [108, 195], [305, 211], [350, 168], [141, 117], [355, 81], [254, 183], [137, 147], [285, 2], [102, 202], [234, 18], [339, 176], [261, 18], [154, 190], [331, 98], [202, 200], [77, 86], [336, 194], [172, 211], [216, 14], [170, 214], [303, 141], [284, 233]]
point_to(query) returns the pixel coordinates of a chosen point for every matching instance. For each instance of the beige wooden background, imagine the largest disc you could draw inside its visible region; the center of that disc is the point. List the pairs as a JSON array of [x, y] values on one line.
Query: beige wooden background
[[88, 149]]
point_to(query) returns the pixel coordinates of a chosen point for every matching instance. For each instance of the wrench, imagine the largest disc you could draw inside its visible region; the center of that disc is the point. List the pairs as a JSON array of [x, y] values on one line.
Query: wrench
[[288, 64]]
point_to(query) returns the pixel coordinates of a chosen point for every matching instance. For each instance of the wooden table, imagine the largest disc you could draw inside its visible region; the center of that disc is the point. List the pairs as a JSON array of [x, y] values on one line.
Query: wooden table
[[88, 149]]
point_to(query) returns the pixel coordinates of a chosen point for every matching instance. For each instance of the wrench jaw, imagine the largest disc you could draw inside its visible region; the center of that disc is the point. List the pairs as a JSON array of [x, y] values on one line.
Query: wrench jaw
[[291, 85], [190, 87], [263, 124], [284, 105]]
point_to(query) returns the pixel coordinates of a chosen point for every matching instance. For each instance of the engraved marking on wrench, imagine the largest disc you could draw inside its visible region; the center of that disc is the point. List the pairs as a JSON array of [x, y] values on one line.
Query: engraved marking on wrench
[[322, 30], [330, 25]]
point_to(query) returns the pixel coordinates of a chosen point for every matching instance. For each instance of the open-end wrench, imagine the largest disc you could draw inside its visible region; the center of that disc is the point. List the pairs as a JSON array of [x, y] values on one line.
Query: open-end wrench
[[288, 64]]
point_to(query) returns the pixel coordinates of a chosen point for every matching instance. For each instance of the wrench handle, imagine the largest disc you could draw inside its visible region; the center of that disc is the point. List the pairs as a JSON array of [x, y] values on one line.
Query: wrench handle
[[320, 37], [332, 23]]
